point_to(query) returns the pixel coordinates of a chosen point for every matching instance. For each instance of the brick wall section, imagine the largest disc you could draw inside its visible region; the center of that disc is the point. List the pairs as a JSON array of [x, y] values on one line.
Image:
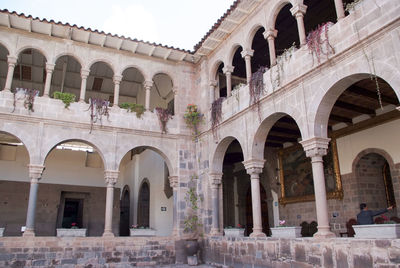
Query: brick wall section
[[302, 252], [86, 252]]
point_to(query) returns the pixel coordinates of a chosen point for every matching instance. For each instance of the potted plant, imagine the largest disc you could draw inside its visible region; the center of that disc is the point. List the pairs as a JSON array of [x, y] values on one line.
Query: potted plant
[[192, 225], [136, 230], [234, 231], [66, 98], [73, 231], [193, 118], [283, 231]]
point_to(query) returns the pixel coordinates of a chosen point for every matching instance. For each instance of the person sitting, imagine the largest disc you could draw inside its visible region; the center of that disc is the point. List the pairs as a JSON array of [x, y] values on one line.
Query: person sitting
[[367, 216]]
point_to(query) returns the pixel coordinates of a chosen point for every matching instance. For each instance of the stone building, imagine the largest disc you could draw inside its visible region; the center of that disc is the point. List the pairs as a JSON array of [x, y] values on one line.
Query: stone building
[[300, 101]]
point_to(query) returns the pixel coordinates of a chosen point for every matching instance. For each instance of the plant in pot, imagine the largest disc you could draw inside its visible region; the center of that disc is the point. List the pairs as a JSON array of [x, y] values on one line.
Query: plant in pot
[[193, 227]]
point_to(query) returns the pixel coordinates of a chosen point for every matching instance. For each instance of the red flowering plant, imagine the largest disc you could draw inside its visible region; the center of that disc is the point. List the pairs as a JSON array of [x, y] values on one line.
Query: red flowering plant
[[163, 116], [74, 225], [193, 118]]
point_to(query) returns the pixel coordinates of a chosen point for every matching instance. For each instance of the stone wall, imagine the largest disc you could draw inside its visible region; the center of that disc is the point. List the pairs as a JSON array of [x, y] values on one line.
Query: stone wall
[[14, 204], [85, 252], [302, 252]]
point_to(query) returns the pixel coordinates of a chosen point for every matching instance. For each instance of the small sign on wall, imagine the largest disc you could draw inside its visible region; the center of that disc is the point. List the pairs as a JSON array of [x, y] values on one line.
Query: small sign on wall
[[163, 208]]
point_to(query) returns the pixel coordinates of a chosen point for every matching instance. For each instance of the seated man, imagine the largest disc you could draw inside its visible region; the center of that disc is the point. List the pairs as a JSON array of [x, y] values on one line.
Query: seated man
[[367, 216]]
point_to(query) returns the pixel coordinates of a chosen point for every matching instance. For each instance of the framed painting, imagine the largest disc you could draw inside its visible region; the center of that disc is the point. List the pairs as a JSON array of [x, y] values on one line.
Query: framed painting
[[296, 176]]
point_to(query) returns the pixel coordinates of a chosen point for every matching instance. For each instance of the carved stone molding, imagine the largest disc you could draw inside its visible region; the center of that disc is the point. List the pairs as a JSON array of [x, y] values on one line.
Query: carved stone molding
[[215, 179], [254, 166], [298, 9], [35, 172], [247, 52], [111, 177], [148, 84], [315, 146], [228, 69], [173, 181]]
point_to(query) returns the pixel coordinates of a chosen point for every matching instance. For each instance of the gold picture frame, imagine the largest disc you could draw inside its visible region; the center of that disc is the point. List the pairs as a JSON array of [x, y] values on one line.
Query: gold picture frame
[[296, 179]]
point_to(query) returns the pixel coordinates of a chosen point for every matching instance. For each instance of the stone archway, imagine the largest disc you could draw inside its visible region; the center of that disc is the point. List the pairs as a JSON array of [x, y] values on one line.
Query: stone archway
[[125, 205]]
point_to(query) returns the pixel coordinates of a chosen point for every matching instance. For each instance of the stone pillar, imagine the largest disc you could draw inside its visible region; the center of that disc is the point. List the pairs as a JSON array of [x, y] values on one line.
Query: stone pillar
[[316, 148], [215, 183], [117, 80], [247, 54], [254, 168], [213, 85], [339, 9], [174, 183], [84, 76], [49, 74], [270, 36], [298, 11], [12, 61], [110, 177], [176, 103], [147, 86], [228, 70], [35, 174]]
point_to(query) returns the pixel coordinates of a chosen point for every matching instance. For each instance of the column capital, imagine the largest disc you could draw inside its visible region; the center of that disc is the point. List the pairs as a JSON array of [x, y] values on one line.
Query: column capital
[[214, 83], [85, 73], [175, 90], [50, 67], [247, 52], [117, 79], [35, 172], [215, 179], [173, 181], [148, 84], [270, 34], [298, 10], [11, 60], [228, 69], [111, 177], [315, 146], [254, 166]]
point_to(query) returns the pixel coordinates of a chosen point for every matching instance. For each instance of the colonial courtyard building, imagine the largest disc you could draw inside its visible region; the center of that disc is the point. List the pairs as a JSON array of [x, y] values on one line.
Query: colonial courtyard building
[[298, 122]]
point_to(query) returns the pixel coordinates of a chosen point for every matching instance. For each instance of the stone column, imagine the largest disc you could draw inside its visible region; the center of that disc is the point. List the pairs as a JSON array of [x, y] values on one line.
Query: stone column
[[254, 168], [247, 54], [213, 85], [35, 174], [110, 177], [315, 148], [228, 70], [147, 86], [49, 74], [339, 9], [12, 61], [298, 11], [84, 76], [117, 80], [174, 183], [270, 36], [215, 183], [176, 103]]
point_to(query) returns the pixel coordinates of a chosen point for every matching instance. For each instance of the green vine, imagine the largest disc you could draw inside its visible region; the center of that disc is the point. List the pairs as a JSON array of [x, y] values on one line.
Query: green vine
[[280, 61], [193, 118], [133, 107], [66, 98], [192, 221], [28, 97]]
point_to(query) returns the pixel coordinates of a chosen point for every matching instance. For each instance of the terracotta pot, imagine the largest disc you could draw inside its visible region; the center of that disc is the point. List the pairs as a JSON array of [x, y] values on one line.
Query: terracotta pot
[[191, 247]]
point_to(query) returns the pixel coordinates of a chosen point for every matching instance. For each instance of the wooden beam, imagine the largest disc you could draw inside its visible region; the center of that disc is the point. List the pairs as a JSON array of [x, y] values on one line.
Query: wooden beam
[[354, 107], [339, 118], [372, 95], [280, 138], [273, 144], [286, 130]]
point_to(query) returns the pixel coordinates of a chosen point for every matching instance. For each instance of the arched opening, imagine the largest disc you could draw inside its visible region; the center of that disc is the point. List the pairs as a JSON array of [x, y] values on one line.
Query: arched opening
[[239, 71], [100, 83], [374, 183], [288, 34], [3, 66], [66, 76], [72, 190], [221, 80], [261, 55], [145, 171], [144, 205], [131, 88], [124, 218], [14, 184], [318, 13], [30, 71], [162, 94]]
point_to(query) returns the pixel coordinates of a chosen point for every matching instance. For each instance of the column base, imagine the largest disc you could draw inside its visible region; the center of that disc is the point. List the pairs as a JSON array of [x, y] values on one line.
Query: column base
[[29, 233], [324, 232], [108, 234], [257, 234]]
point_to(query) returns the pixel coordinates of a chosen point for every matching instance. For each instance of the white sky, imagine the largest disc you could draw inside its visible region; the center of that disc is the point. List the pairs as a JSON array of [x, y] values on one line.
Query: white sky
[[178, 23]]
